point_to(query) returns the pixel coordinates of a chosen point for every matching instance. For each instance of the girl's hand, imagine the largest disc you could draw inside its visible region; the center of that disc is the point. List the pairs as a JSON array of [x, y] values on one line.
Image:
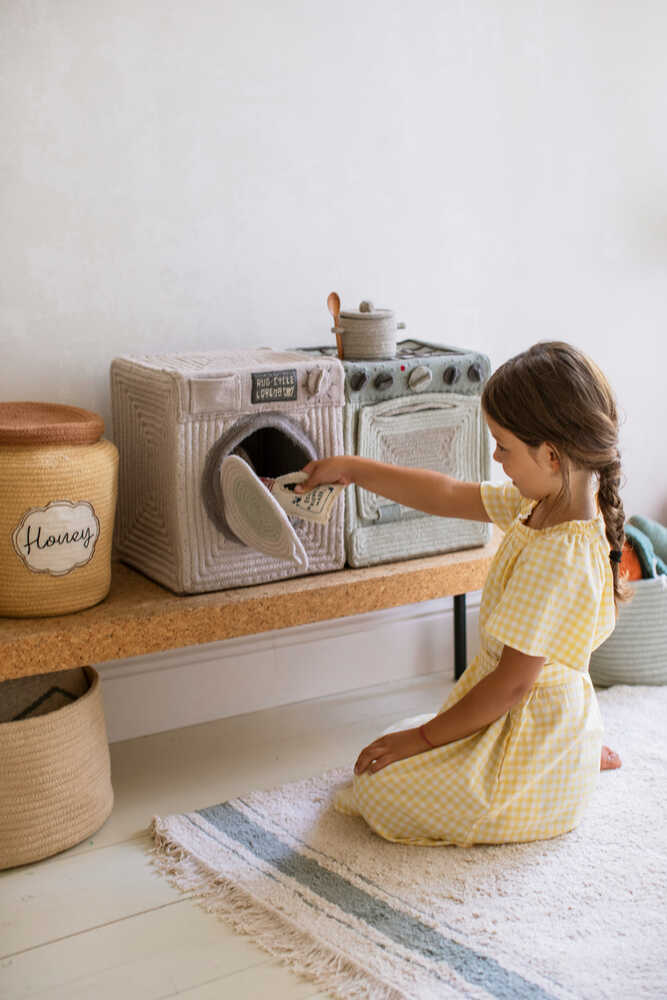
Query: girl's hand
[[326, 470], [390, 748]]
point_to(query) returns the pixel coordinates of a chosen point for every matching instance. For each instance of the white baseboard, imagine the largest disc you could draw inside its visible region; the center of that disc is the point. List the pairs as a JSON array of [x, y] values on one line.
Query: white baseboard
[[184, 687]]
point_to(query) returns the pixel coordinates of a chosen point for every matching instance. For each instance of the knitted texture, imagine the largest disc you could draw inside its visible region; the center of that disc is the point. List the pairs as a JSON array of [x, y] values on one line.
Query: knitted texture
[[55, 779], [176, 417], [48, 423], [255, 517], [368, 339], [419, 408], [636, 651], [440, 431], [656, 532], [48, 492]]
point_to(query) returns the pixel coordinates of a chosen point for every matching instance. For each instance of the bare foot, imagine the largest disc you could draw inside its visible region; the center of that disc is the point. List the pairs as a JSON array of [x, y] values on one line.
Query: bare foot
[[609, 760]]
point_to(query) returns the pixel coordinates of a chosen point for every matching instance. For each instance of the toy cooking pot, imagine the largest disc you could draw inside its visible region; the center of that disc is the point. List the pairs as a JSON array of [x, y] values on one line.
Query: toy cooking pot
[[369, 334]]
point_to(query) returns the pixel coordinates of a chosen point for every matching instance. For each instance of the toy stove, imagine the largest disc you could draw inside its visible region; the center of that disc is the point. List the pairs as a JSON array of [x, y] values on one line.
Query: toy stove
[[420, 408], [184, 520]]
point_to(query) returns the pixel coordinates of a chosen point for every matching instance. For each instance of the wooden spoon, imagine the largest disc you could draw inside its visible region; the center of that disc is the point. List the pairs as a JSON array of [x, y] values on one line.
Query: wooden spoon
[[333, 305]]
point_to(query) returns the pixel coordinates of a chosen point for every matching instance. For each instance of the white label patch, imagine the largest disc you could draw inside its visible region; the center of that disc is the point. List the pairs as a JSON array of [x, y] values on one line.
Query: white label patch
[[57, 538]]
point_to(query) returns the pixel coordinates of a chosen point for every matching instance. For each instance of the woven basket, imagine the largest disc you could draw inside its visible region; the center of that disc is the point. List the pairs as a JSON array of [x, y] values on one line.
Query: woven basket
[[57, 506], [369, 333], [636, 651], [55, 779]]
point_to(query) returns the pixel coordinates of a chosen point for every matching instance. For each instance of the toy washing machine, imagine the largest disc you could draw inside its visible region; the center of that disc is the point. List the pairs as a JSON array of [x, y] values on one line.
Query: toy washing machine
[[419, 408], [176, 419]]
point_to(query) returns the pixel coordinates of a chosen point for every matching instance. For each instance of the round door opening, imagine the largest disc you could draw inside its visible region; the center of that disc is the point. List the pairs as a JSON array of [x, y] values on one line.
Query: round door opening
[[271, 444], [271, 453]]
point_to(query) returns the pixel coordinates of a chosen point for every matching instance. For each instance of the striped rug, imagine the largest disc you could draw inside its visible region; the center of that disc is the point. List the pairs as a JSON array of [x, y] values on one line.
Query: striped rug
[[580, 917]]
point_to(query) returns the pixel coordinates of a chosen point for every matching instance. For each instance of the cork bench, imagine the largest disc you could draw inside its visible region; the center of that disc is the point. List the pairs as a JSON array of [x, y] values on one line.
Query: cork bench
[[139, 616]]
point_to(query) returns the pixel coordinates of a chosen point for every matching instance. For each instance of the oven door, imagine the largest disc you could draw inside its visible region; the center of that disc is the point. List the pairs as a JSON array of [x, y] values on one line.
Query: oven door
[[441, 431]]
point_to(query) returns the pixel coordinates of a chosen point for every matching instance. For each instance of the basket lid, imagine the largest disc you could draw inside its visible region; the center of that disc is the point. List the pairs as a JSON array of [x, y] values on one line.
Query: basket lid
[[367, 311], [48, 423]]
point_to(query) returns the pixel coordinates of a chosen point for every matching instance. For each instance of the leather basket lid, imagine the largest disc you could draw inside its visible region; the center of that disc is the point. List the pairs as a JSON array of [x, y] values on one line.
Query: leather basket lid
[[48, 423]]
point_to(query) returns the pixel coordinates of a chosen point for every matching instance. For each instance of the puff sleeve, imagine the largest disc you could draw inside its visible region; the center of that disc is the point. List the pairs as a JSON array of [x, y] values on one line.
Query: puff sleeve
[[554, 603], [502, 502]]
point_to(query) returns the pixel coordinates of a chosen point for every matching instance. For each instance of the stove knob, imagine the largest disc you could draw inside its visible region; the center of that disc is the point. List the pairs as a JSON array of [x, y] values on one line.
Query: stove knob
[[420, 378], [451, 375], [383, 381], [475, 373], [317, 381], [358, 380]]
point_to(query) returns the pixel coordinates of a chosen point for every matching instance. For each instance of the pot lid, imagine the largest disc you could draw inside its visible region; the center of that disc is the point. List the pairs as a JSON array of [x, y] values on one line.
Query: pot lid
[[48, 423], [255, 517], [367, 311]]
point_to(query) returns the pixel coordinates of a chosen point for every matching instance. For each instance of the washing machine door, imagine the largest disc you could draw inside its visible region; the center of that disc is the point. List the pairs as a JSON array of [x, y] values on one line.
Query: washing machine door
[[255, 517]]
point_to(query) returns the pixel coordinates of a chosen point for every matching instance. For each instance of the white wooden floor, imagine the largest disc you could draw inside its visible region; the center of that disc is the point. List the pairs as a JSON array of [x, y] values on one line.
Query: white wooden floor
[[97, 922]]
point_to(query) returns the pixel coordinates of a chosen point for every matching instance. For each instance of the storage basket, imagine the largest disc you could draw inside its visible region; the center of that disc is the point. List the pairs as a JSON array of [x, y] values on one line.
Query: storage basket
[[55, 779], [369, 333], [57, 508], [636, 651]]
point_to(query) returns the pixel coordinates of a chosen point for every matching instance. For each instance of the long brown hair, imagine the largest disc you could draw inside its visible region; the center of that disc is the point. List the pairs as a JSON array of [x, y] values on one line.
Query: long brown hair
[[552, 392]]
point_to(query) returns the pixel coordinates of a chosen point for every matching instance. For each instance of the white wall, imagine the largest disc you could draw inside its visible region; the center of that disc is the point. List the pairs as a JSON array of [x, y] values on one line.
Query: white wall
[[150, 694], [202, 173]]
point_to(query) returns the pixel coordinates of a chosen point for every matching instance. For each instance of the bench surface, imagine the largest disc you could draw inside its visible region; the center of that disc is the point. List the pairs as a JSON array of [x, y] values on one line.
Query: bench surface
[[139, 616]]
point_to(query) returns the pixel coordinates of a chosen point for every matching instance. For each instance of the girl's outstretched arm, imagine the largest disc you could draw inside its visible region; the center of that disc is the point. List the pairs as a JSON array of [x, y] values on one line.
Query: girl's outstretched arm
[[423, 489], [490, 698]]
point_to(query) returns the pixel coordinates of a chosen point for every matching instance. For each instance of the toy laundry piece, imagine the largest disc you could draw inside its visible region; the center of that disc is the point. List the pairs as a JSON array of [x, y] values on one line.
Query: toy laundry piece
[[657, 535], [254, 515], [315, 505], [651, 563], [630, 566]]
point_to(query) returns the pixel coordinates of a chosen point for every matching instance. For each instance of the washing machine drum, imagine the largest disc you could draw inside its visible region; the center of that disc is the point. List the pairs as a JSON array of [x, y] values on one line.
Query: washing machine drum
[[236, 499]]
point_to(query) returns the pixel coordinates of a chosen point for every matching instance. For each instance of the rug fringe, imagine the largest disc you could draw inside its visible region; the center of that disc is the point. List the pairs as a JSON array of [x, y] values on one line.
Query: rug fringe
[[272, 931]]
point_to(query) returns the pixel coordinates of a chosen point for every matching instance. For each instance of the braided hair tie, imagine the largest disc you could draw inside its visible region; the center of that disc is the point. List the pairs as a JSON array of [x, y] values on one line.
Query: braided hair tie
[[615, 555]]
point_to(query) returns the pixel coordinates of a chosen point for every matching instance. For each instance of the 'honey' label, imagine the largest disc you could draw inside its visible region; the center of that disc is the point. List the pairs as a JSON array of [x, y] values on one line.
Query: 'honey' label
[[57, 538]]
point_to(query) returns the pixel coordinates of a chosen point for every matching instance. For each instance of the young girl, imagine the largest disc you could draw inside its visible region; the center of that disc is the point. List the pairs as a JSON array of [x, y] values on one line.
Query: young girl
[[514, 752]]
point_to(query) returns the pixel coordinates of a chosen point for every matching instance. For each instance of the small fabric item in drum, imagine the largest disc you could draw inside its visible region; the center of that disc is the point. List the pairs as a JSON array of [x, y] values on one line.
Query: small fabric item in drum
[[315, 505], [255, 517], [27, 697]]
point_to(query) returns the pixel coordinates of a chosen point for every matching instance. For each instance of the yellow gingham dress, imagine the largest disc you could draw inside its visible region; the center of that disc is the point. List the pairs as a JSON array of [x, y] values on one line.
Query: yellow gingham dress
[[529, 774]]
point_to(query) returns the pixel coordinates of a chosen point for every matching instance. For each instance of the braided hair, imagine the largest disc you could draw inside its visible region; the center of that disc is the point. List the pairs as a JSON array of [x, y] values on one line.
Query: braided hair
[[553, 392]]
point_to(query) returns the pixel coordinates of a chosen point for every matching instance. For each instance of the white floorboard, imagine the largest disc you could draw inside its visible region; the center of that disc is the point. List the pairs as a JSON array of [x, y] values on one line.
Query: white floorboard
[[97, 921], [59, 900], [176, 950]]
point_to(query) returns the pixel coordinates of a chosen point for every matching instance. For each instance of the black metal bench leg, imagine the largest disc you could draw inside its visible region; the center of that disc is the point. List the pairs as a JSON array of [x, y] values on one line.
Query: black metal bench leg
[[460, 650]]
